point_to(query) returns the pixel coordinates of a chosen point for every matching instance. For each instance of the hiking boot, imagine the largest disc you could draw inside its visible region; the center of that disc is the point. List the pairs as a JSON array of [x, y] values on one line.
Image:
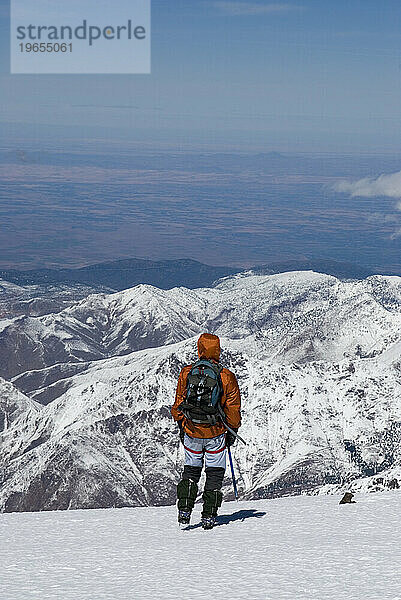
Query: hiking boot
[[184, 517], [208, 522], [212, 500]]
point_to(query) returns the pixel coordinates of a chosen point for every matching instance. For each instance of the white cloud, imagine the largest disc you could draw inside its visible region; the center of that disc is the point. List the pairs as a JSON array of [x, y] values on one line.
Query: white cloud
[[369, 187], [233, 8]]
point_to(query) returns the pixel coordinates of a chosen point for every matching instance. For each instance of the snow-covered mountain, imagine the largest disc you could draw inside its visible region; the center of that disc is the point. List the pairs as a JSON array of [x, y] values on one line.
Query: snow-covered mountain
[[41, 299], [318, 362], [294, 317]]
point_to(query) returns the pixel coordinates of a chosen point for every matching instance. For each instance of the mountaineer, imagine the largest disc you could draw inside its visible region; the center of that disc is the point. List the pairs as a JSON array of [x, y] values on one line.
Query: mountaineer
[[207, 409]]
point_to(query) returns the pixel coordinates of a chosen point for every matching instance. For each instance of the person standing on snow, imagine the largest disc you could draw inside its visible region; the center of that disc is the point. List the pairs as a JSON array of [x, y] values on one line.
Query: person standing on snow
[[207, 394]]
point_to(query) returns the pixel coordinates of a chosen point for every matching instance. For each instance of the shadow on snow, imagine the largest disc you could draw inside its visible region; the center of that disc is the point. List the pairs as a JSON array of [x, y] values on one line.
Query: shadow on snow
[[240, 515]]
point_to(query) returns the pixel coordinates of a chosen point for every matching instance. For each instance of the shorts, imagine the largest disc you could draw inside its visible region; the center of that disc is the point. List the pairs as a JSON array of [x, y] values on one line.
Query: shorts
[[212, 449]]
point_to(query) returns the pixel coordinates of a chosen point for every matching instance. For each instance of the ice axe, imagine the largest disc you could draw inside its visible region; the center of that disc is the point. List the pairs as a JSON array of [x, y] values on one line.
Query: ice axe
[[223, 420]]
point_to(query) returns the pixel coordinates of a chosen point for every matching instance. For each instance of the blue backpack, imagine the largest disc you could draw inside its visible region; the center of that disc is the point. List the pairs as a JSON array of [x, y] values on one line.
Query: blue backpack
[[204, 392]]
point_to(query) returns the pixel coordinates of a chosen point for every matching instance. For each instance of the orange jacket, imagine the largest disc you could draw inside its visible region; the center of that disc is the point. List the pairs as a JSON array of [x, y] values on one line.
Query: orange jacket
[[209, 347]]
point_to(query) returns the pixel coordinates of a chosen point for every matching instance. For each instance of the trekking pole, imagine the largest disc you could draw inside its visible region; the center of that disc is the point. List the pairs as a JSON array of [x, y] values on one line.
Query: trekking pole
[[232, 473]]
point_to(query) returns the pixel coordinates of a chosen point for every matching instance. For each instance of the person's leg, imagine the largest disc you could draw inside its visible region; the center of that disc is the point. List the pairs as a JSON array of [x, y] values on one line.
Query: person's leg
[[187, 488], [191, 472], [214, 478], [215, 457]]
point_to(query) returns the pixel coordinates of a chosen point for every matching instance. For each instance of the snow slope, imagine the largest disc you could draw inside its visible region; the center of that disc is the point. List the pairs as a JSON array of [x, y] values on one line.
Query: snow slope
[[303, 548]]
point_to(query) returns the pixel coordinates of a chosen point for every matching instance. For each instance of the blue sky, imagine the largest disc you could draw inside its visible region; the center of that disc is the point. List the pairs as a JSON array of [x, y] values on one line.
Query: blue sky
[[305, 75]]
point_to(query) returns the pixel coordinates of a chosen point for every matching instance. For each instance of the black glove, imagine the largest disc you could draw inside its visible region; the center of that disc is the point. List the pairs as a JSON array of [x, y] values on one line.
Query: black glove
[[182, 432], [230, 437]]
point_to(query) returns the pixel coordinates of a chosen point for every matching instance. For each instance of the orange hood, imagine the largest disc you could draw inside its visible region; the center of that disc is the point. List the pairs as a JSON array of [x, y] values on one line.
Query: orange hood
[[209, 346]]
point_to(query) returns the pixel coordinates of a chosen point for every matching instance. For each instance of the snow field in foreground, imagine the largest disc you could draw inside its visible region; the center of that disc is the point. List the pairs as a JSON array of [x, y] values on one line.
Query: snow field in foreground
[[298, 548]]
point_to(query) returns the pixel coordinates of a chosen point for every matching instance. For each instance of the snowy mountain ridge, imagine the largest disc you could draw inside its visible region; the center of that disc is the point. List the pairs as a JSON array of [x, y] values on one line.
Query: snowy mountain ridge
[[102, 326], [318, 362]]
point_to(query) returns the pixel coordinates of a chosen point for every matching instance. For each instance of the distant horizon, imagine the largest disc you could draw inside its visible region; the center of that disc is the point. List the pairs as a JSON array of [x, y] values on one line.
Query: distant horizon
[[265, 131], [277, 263], [87, 204], [14, 140]]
